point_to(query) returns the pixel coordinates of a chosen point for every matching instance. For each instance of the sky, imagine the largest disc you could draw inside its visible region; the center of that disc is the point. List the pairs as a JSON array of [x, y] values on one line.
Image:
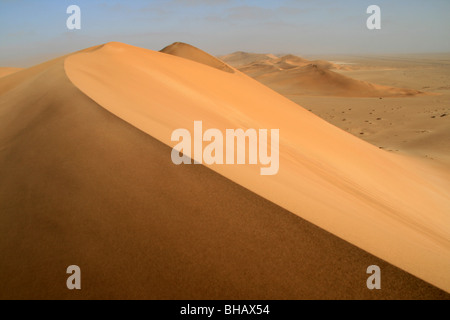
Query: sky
[[33, 31]]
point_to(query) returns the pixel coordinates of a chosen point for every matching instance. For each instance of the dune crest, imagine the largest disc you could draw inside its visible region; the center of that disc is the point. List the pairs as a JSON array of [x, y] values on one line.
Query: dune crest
[[391, 206], [184, 50]]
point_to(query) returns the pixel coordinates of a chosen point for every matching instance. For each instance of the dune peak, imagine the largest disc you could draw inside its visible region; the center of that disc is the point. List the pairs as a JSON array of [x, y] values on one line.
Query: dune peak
[[187, 51]]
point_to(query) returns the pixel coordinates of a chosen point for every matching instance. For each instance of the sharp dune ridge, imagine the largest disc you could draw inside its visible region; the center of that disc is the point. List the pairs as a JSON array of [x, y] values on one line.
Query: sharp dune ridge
[[187, 51], [69, 123]]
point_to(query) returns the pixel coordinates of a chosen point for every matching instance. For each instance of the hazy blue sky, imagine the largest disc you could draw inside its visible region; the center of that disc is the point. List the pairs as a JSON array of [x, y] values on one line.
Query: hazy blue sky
[[32, 31]]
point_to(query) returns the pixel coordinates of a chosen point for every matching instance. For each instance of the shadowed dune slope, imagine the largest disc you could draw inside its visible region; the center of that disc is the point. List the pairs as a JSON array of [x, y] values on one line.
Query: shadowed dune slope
[[392, 206], [81, 186]]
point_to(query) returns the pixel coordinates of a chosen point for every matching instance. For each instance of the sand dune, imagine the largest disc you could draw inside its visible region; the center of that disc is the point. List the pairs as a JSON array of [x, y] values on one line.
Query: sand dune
[[394, 207], [315, 80], [187, 51], [240, 58], [293, 75], [81, 186]]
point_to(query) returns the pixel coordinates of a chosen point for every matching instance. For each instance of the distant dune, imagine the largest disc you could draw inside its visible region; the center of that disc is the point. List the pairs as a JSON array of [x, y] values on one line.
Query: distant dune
[[313, 79], [292, 75], [187, 51], [87, 179], [240, 58]]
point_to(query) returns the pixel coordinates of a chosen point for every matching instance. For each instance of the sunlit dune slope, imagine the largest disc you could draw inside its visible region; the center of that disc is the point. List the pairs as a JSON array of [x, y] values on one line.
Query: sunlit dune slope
[[392, 206]]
